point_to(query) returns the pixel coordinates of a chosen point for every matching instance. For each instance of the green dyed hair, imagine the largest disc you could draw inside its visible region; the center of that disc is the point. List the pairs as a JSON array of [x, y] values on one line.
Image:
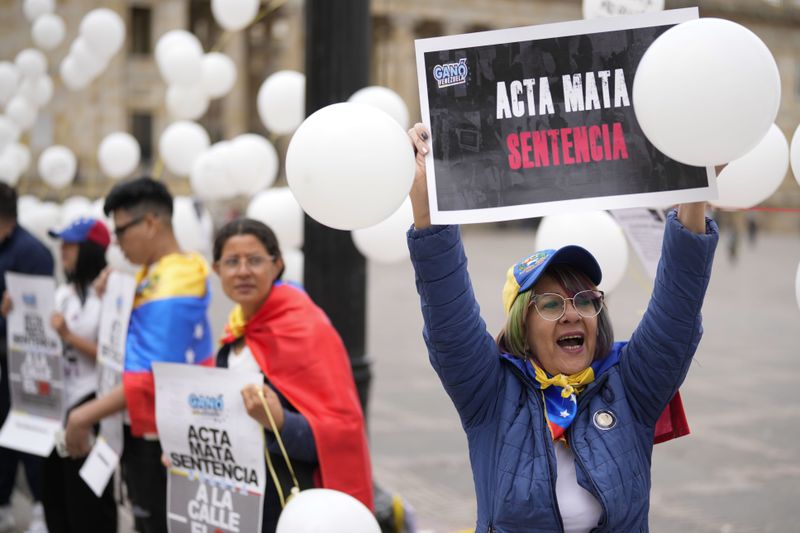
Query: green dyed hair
[[513, 339]]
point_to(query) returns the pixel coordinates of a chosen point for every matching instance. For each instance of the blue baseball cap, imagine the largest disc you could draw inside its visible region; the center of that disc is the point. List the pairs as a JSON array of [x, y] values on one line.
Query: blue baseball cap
[[523, 274], [82, 230]]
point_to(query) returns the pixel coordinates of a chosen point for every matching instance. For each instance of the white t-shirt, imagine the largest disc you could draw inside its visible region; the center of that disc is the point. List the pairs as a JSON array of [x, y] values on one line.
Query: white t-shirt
[[243, 361], [83, 320], [580, 510]]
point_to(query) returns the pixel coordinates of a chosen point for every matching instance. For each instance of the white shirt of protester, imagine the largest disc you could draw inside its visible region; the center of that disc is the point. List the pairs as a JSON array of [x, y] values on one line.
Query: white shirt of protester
[[83, 320]]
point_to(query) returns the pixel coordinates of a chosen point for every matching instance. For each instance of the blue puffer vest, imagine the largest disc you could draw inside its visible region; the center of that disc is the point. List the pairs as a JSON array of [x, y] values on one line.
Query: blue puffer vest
[[511, 451]]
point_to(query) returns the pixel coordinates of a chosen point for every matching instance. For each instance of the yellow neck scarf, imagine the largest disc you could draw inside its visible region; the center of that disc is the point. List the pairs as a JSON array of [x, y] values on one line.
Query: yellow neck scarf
[[235, 326], [574, 383]]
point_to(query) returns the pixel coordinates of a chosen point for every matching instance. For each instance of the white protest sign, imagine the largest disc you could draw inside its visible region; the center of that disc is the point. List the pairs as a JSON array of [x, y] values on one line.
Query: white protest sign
[[645, 231], [114, 318], [35, 367], [217, 478]]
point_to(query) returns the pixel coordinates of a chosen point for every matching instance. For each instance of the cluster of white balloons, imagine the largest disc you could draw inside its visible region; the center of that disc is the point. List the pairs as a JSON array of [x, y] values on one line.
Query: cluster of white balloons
[[118, 154], [243, 166], [610, 8], [598, 232], [326, 511], [100, 36], [25, 87], [192, 77], [47, 28]]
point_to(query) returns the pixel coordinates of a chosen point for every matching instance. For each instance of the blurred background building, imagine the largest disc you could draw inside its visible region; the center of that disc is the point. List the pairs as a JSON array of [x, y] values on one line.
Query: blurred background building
[[129, 95]]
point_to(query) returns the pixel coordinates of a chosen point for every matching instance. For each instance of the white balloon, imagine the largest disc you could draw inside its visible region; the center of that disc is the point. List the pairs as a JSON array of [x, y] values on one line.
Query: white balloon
[[38, 91], [253, 164], [15, 159], [104, 30], [34, 9], [9, 79], [19, 154], [755, 176], [87, 58], [293, 263], [234, 15], [9, 171], [219, 74], [26, 202], [186, 102], [187, 226], [31, 62], [326, 511], [39, 219], [181, 64], [278, 209], [118, 154], [48, 31], [175, 38], [350, 166], [71, 74], [180, 144], [609, 8], [22, 112], [116, 259], [210, 177], [384, 99], [598, 232], [9, 131], [98, 213], [57, 166], [794, 150], [706, 92], [73, 208], [281, 101], [385, 242]]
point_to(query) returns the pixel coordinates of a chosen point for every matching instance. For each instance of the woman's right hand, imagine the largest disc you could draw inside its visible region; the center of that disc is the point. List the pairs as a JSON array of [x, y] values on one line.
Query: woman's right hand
[[419, 189]]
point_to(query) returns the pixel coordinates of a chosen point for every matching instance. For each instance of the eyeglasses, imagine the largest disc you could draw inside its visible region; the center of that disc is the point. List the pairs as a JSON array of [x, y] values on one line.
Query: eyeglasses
[[119, 231], [551, 306], [253, 263]]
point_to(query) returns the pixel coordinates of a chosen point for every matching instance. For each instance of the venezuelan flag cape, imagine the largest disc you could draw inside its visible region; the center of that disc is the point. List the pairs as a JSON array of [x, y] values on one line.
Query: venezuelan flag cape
[[168, 324], [303, 357]]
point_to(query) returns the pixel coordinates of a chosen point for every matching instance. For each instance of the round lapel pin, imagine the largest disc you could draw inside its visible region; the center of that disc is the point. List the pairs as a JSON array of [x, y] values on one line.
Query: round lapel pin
[[604, 420]]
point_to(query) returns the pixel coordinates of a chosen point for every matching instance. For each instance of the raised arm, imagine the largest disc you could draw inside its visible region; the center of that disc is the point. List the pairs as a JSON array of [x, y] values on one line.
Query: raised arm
[[461, 350], [657, 358]]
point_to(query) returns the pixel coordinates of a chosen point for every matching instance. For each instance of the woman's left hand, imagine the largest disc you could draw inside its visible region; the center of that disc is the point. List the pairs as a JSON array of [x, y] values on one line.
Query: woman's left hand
[[59, 324], [254, 407]]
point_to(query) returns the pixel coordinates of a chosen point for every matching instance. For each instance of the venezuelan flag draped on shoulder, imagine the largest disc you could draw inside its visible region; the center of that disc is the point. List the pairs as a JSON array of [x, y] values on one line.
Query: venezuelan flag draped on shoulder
[[168, 324]]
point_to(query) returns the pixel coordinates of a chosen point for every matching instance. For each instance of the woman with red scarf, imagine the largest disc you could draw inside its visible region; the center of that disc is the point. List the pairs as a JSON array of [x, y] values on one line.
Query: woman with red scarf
[[308, 384]]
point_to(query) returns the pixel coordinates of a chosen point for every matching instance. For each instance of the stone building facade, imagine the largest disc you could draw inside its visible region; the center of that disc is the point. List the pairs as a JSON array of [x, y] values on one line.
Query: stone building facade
[[129, 96]]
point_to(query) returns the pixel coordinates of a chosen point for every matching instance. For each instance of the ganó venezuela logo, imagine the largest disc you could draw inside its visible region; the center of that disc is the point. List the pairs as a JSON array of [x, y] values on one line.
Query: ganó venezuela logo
[[205, 405], [451, 74]]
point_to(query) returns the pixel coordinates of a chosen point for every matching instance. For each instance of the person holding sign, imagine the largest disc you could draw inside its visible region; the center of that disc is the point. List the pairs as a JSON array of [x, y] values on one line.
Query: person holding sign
[[560, 419], [69, 504], [309, 389], [23, 253], [168, 324]]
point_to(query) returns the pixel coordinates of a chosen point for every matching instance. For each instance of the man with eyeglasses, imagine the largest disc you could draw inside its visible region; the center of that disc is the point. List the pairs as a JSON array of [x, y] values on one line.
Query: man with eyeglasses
[[168, 324]]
